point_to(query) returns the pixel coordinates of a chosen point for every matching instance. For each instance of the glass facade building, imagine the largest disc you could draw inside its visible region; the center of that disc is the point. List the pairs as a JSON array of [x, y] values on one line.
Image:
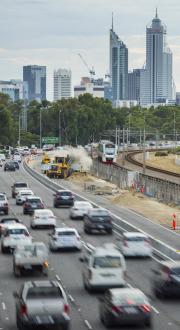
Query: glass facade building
[[34, 77]]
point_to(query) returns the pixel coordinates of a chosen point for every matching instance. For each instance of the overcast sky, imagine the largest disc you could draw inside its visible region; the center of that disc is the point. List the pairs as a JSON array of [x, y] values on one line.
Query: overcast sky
[[53, 32]]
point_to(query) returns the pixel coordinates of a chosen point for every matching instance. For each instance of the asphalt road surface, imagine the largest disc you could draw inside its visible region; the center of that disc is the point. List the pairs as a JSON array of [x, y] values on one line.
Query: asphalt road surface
[[66, 267]]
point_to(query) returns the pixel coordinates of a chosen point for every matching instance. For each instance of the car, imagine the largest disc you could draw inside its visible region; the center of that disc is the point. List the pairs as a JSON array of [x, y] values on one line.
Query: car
[[104, 267], [13, 235], [135, 244], [32, 203], [125, 306], [166, 279], [1, 163], [80, 209], [43, 218], [64, 238], [98, 220], [4, 222], [63, 198], [2, 157], [9, 166], [18, 186], [17, 157], [22, 195], [42, 304], [4, 205], [16, 164], [30, 257]]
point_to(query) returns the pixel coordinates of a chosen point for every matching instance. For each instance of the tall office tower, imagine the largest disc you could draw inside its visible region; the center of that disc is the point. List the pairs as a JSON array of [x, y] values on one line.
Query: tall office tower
[[35, 78], [134, 85], [158, 62], [118, 67], [62, 84]]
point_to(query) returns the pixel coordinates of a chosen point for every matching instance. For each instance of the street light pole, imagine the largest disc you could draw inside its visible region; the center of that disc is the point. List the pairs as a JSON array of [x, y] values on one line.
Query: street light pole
[[40, 128], [19, 138], [60, 127]]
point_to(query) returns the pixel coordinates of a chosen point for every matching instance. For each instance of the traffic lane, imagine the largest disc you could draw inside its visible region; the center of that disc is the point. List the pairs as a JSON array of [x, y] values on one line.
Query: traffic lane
[[138, 267]]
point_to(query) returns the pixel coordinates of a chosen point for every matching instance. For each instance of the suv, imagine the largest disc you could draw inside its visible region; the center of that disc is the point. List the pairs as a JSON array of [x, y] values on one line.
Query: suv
[[98, 220], [63, 198], [13, 235], [9, 166], [32, 203], [43, 304], [103, 267], [4, 222], [166, 279], [18, 186], [4, 205]]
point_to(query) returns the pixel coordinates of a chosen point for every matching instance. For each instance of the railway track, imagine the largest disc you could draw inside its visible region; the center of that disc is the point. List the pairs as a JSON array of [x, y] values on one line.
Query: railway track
[[130, 158]]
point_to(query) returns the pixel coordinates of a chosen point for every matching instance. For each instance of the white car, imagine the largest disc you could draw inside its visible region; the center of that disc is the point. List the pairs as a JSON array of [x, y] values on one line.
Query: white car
[[17, 157], [43, 218], [4, 205], [80, 209], [1, 163], [22, 195], [64, 238], [135, 244], [2, 157], [14, 235]]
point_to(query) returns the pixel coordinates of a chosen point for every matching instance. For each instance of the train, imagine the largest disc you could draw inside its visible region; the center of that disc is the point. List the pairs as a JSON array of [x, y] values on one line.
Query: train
[[107, 152]]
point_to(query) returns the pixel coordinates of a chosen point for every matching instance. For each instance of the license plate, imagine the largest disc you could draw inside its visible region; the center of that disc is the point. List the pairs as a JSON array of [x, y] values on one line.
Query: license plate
[[130, 310], [27, 267], [107, 275], [43, 319], [34, 205], [100, 226]]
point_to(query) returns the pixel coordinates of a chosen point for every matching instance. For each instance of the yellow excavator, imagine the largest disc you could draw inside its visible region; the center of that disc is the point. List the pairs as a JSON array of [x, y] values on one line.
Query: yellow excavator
[[61, 167]]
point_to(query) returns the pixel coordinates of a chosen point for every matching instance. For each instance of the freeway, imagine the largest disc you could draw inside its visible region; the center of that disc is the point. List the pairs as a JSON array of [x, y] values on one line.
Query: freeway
[[65, 266]]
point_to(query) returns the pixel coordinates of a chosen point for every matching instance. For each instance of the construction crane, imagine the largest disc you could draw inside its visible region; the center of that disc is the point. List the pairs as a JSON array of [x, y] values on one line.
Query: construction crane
[[91, 71]]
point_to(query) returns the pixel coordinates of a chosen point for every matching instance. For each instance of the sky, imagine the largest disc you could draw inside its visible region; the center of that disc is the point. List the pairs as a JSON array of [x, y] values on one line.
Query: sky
[[54, 32]]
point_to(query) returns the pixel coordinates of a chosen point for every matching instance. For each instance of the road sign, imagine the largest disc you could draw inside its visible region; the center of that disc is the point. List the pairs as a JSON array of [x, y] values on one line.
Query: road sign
[[50, 140]]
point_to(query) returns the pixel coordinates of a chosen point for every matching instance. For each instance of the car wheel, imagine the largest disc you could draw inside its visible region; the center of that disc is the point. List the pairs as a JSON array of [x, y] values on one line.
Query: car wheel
[[158, 293], [19, 324], [32, 226], [109, 231], [3, 249], [24, 212], [148, 324], [107, 321], [55, 205], [17, 271], [87, 231], [6, 212]]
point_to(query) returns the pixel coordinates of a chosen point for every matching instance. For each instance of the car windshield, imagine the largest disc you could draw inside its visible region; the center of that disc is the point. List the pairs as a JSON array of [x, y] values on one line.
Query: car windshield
[[66, 233], [2, 197], [17, 231], [107, 261], [82, 205], [136, 239], [26, 193], [20, 185], [64, 193], [44, 293], [175, 271], [129, 299], [99, 213], [34, 200]]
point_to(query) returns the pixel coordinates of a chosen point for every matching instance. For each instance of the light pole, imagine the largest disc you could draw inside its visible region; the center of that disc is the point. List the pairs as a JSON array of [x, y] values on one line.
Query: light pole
[[60, 127]]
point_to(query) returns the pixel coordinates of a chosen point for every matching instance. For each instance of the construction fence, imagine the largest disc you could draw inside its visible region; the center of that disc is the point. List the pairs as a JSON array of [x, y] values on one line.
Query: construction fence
[[164, 191]]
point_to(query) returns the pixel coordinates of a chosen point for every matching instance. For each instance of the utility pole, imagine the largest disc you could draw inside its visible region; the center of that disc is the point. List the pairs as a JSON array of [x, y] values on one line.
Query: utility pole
[[60, 127], [123, 153]]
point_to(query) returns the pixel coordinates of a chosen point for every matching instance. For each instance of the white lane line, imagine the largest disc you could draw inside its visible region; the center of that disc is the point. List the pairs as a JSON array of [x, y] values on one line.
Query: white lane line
[[3, 306], [88, 325], [58, 278], [71, 298], [154, 309]]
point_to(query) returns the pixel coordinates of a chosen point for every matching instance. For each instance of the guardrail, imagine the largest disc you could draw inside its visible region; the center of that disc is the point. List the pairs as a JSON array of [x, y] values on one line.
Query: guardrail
[[162, 250]]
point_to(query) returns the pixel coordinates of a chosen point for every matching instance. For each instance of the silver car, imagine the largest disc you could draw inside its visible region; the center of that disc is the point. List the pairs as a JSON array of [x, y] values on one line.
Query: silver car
[[42, 304]]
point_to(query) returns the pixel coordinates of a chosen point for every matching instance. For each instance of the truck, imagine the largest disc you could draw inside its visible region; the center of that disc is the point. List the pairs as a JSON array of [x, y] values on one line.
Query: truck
[[61, 166], [30, 257]]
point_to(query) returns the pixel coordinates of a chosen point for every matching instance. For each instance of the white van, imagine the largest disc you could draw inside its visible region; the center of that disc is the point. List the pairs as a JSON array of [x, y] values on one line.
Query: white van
[[103, 268], [17, 157], [2, 157]]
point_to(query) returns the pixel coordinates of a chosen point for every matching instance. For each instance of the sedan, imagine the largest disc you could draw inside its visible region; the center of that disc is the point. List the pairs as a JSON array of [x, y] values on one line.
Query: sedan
[[22, 195], [64, 238], [9, 166], [4, 222], [99, 220], [135, 244], [43, 218], [63, 198], [32, 203], [14, 235], [80, 209], [125, 306]]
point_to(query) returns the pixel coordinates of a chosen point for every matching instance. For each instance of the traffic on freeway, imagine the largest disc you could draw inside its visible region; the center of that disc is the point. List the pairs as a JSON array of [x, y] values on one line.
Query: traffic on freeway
[[61, 297]]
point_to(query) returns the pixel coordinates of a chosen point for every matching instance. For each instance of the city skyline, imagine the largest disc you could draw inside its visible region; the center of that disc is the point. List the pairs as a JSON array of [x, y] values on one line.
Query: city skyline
[[58, 44]]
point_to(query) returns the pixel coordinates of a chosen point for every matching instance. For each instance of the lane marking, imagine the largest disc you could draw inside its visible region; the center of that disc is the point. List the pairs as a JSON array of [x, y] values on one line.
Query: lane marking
[[3, 306], [58, 278], [71, 298], [88, 325]]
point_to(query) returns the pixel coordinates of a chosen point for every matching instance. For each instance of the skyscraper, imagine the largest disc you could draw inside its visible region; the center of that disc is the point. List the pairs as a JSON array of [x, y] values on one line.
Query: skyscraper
[[158, 63], [118, 67], [35, 78], [134, 85], [62, 84]]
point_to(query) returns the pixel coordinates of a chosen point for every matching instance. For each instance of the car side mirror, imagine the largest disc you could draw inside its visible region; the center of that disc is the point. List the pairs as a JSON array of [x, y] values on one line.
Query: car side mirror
[[81, 259], [16, 294]]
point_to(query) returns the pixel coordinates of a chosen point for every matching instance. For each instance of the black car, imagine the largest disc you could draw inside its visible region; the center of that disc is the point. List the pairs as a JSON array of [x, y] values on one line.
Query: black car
[[6, 221], [98, 220], [16, 164], [9, 166], [63, 198], [166, 279], [32, 203]]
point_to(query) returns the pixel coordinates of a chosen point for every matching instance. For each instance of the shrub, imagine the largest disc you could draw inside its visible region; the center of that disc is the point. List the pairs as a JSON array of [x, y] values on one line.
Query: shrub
[[161, 153]]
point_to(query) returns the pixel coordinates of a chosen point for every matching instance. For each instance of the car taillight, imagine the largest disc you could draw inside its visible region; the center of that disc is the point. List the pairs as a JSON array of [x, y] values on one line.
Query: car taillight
[[145, 308], [89, 274], [26, 204], [27, 234], [66, 308], [125, 243], [23, 309], [116, 309]]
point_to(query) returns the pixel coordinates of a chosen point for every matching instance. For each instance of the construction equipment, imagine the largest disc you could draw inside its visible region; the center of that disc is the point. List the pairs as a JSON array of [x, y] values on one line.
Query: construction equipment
[[91, 71], [61, 167], [46, 159]]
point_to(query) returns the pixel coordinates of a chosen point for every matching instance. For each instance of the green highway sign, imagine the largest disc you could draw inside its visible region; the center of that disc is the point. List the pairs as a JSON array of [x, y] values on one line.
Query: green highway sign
[[50, 140]]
